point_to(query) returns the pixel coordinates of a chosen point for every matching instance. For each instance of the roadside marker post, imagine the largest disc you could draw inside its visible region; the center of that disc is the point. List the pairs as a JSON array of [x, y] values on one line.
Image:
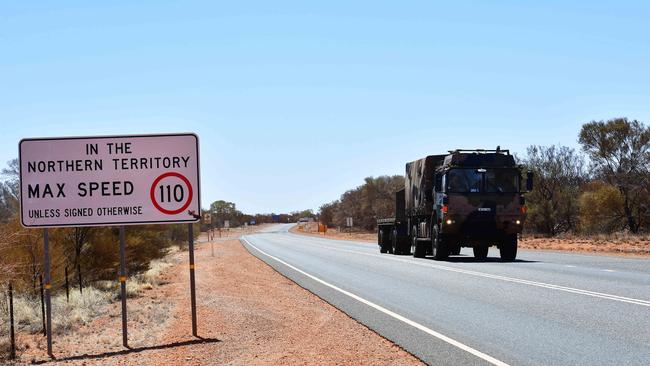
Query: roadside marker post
[[40, 278], [81, 288], [12, 335], [109, 181], [67, 286]]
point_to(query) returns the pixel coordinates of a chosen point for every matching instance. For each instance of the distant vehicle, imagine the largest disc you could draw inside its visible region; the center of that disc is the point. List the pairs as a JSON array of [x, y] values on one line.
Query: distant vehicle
[[305, 219], [467, 198]]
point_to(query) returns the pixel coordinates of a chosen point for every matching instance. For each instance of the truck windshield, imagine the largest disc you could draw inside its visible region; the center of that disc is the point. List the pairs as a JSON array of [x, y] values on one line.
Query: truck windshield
[[464, 181], [482, 180], [502, 181]]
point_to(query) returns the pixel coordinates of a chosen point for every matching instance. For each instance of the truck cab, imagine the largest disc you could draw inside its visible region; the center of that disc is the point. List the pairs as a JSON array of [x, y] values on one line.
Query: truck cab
[[479, 201]]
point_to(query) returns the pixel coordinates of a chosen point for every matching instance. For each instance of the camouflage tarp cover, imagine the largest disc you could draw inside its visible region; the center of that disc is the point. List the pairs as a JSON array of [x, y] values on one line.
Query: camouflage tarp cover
[[419, 179]]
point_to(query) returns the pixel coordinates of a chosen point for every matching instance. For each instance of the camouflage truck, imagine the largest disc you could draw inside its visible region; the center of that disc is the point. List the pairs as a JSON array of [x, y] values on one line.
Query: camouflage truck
[[466, 198]]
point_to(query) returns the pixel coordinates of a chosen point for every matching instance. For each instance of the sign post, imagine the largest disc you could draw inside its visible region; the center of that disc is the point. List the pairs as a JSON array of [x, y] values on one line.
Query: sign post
[[125, 334], [48, 291], [190, 239], [109, 181]]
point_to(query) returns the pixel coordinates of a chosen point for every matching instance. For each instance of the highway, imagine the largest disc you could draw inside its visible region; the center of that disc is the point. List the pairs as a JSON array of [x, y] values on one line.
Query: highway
[[546, 308]]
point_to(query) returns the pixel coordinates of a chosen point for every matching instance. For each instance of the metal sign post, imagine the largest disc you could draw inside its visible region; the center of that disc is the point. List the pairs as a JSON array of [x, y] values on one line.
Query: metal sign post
[[48, 287], [125, 334], [190, 239]]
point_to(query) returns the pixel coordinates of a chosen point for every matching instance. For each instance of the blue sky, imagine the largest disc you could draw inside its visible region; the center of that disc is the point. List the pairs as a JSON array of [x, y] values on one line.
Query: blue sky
[[296, 102]]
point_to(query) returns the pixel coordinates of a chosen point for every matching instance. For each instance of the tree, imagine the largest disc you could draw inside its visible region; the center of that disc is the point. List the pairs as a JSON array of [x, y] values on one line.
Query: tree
[[327, 212], [620, 153], [365, 204], [553, 203], [77, 240], [601, 209], [9, 191]]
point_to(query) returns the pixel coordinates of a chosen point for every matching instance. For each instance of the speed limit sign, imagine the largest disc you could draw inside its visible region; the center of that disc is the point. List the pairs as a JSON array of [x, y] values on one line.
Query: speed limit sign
[[109, 180], [171, 193]]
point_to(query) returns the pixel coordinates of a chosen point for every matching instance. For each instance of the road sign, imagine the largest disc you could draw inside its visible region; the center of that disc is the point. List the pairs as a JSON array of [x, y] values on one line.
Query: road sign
[[349, 222], [226, 224], [109, 180]]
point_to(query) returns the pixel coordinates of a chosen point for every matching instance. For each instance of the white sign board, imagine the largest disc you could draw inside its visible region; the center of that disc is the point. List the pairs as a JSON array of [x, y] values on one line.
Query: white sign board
[[226, 224], [109, 180], [349, 222]]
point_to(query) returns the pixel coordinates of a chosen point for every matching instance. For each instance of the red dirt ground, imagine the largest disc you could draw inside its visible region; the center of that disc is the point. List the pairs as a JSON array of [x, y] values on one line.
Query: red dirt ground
[[248, 315]]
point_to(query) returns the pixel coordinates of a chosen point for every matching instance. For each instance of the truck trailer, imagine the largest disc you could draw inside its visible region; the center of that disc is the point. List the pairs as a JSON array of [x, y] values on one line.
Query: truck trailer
[[466, 198]]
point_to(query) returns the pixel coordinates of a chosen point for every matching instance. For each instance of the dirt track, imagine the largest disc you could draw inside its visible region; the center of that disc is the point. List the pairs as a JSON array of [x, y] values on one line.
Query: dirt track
[[248, 314]]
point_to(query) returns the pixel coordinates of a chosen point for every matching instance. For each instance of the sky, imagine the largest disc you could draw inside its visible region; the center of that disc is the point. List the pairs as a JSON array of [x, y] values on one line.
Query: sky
[[296, 102]]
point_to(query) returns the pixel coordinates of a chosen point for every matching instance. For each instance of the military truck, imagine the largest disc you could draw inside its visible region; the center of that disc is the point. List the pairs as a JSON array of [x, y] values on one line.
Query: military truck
[[466, 198]]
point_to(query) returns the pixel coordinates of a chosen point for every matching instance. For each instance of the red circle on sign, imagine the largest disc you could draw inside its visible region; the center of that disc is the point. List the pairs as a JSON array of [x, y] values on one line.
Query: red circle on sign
[[153, 195]]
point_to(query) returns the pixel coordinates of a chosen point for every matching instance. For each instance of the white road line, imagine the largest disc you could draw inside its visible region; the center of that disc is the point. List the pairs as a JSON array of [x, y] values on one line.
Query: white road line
[[608, 270], [401, 318], [498, 277]]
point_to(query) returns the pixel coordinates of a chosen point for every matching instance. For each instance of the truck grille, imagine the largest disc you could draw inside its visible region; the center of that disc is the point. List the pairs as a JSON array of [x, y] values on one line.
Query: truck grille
[[480, 224]]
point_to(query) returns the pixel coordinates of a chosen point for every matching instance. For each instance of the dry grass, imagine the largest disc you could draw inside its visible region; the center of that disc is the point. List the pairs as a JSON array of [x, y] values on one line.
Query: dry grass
[[4, 320], [80, 310], [81, 307]]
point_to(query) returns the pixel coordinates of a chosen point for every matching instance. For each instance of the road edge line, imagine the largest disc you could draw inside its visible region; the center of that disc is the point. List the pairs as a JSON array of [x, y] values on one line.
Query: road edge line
[[390, 313]]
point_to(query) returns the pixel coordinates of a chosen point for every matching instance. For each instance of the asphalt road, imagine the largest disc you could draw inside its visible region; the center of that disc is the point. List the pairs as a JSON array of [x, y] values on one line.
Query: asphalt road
[[544, 309]]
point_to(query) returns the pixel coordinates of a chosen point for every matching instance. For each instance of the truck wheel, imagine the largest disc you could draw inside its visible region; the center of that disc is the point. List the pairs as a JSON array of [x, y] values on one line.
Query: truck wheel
[[452, 242], [509, 248], [394, 243], [439, 247], [481, 252], [381, 240], [417, 247]]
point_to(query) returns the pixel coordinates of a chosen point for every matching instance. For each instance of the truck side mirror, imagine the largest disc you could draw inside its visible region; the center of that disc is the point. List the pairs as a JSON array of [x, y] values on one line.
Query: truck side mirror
[[529, 181], [438, 183]]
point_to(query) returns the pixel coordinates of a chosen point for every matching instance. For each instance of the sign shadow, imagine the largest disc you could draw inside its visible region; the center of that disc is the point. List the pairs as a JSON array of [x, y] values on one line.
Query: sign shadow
[[129, 351]]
